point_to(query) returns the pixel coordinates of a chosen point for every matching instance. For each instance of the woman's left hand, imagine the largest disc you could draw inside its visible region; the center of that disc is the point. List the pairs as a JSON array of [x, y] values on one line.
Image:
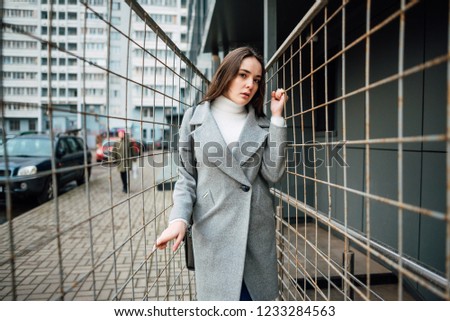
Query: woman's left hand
[[277, 102]]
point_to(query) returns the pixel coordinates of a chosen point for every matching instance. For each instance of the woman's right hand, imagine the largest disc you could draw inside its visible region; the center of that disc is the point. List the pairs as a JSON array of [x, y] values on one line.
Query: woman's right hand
[[175, 230]]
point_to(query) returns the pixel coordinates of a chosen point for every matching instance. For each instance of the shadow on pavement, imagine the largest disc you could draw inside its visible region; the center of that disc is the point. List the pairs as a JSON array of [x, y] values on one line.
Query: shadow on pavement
[[20, 206]]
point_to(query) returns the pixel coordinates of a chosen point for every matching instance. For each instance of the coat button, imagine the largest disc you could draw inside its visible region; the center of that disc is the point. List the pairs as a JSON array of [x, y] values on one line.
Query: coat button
[[245, 188]]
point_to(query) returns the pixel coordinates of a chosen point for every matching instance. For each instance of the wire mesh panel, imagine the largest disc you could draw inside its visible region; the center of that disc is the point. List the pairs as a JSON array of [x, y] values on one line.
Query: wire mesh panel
[[363, 210], [105, 68]]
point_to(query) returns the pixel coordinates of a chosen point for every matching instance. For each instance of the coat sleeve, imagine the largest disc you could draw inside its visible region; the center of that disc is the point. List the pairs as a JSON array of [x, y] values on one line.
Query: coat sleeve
[[184, 194], [274, 157]]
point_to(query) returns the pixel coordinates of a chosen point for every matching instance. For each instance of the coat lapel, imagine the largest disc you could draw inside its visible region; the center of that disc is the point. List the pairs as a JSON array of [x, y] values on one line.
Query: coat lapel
[[208, 138]]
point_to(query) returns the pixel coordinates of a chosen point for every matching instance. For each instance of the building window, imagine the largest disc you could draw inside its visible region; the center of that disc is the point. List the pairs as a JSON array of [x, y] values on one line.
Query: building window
[[44, 76], [72, 31], [72, 46], [147, 112], [72, 92], [44, 61], [115, 35], [13, 75], [96, 2], [32, 124], [14, 125]]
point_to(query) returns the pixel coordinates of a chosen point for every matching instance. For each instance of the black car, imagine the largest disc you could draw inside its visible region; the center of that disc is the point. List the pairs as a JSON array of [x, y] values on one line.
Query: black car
[[30, 164]]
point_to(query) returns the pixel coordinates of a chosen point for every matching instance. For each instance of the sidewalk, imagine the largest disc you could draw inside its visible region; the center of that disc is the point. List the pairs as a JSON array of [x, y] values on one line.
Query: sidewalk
[[106, 239]]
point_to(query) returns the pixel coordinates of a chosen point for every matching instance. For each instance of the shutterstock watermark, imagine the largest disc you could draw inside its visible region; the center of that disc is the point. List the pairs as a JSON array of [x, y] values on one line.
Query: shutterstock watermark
[[316, 154], [311, 154]]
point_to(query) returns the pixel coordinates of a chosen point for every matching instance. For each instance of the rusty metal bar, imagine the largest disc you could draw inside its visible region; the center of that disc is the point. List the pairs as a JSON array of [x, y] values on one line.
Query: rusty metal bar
[[447, 263], [401, 53], [367, 145]]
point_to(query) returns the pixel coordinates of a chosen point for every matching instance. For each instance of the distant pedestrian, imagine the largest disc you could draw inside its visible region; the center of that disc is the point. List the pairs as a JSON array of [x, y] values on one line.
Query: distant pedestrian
[[123, 154]]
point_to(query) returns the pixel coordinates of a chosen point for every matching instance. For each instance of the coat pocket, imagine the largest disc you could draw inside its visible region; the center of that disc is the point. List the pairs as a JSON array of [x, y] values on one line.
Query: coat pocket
[[203, 204]]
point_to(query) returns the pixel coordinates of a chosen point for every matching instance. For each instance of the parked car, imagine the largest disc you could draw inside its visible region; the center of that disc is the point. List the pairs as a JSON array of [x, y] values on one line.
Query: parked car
[[30, 164], [104, 149]]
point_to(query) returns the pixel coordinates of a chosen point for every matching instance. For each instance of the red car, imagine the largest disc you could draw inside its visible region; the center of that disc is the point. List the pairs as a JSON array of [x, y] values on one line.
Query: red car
[[104, 150]]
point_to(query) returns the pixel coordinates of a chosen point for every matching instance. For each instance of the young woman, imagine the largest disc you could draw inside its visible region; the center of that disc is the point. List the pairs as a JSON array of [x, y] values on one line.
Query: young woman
[[238, 152]]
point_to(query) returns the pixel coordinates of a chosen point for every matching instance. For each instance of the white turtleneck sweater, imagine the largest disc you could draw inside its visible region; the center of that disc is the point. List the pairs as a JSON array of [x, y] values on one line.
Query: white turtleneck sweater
[[231, 117]]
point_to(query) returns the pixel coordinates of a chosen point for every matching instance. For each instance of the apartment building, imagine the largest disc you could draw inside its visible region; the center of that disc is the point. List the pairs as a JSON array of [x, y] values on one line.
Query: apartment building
[[67, 86], [151, 106], [20, 69]]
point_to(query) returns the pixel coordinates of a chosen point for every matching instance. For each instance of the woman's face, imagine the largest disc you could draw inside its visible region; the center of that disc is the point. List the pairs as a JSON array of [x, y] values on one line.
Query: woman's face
[[245, 84]]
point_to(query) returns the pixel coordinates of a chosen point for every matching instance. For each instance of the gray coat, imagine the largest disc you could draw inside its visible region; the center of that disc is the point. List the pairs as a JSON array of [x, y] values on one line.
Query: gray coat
[[234, 226]]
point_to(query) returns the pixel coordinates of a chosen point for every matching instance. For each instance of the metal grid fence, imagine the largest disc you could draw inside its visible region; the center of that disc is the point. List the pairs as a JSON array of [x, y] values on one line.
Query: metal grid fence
[[96, 242], [363, 211]]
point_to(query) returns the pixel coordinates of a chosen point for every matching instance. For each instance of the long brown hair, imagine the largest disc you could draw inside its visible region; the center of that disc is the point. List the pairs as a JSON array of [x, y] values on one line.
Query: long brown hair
[[228, 70]]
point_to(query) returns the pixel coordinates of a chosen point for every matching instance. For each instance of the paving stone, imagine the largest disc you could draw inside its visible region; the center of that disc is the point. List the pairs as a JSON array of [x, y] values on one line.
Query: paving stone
[[38, 265]]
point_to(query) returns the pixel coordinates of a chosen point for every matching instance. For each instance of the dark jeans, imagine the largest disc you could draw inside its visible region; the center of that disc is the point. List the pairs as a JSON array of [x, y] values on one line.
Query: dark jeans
[[123, 176], [245, 296]]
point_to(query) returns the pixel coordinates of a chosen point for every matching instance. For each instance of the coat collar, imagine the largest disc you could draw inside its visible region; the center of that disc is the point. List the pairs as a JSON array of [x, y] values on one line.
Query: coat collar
[[251, 139]]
